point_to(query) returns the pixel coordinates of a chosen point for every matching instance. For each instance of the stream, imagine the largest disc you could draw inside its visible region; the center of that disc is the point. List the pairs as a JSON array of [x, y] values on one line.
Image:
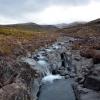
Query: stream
[[54, 86]]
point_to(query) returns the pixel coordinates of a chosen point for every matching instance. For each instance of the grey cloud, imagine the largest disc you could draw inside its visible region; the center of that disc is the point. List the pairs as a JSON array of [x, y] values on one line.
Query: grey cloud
[[21, 5], [16, 8]]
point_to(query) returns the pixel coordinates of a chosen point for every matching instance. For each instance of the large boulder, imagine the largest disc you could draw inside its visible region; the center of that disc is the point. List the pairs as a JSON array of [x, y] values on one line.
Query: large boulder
[[86, 52], [91, 53], [92, 81]]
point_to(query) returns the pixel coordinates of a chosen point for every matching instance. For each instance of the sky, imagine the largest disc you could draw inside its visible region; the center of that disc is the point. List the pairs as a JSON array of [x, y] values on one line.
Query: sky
[[48, 11]]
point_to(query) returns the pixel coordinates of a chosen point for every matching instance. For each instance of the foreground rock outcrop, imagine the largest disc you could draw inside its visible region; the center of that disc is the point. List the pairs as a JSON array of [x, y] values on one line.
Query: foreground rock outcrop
[[16, 80]]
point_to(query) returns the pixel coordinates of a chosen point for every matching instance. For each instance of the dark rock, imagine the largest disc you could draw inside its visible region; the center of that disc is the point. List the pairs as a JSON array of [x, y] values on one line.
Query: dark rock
[[96, 56], [80, 79], [77, 58], [86, 53], [92, 82], [87, 94], [96, 70], [90, 53]]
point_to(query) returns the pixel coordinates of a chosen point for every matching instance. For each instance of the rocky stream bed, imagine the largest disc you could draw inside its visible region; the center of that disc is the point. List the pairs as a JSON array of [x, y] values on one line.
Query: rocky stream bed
[[54, 73]]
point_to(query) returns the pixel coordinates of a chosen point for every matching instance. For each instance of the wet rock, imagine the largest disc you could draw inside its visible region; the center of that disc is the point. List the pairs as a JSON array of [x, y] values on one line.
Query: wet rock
[[91, 96], [54, 60], [96, 70], [80, 79], [63, 72], [77, 58], [87, 94], [92, 82]]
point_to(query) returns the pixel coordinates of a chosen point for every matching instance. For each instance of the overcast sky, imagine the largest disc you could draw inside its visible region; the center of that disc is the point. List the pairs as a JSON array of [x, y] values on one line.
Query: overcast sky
[[48, 11]]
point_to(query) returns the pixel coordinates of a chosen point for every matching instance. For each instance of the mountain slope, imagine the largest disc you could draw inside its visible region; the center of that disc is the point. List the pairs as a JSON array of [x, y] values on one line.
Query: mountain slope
[[89, 29], [30, 27], [19, 39]]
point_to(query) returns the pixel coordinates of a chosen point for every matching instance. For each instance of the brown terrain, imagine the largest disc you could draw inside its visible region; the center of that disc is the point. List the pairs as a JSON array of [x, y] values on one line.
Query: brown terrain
[[89, 38], [16, 41], [19, 40]]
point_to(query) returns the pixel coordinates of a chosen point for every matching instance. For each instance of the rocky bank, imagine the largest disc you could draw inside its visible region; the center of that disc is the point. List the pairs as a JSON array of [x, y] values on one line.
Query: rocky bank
[[20, 78]]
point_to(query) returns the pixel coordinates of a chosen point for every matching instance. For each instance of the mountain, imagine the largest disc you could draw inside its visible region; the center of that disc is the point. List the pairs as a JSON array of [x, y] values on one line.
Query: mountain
[[30, 27], [97, 21], [89, 29], [64, 25], [17, 39]]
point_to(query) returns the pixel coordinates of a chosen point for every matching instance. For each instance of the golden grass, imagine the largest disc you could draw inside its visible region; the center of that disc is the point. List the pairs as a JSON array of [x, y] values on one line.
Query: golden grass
[[11, 38]]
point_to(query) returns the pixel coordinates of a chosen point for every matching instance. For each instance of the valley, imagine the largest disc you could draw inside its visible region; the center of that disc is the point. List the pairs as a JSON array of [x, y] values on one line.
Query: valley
[[39, 62]]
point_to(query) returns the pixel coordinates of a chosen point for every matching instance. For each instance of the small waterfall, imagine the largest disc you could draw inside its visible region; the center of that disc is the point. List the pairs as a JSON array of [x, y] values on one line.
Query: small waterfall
[[42, 64], [44, 67], [48, 76]]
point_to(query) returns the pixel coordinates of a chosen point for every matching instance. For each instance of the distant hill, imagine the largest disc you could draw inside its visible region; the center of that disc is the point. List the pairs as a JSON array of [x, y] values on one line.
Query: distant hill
[[19, 39], [97, 21], [30, 27], [64, 25], [89, 29]]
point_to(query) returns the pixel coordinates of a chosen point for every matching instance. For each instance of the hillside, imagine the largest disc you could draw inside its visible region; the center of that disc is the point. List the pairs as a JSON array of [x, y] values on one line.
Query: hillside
[[19, 39], [30, 27], [89, 29]]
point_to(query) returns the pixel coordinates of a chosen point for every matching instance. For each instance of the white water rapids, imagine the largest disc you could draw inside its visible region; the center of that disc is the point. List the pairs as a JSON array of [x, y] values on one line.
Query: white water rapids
[[43, 65]]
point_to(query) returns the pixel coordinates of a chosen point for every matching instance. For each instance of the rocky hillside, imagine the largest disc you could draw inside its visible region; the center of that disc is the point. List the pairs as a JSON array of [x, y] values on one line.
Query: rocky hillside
[[89, 29], [63, 25]]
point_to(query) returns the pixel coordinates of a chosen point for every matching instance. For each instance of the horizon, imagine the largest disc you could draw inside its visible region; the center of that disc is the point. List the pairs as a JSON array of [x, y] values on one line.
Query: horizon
[[48, 12]]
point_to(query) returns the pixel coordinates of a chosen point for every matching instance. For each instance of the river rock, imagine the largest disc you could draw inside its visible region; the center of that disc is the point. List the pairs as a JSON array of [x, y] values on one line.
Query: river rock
[[83, 65], [96, 70], [91, 53], [88, 94], [92, 82]]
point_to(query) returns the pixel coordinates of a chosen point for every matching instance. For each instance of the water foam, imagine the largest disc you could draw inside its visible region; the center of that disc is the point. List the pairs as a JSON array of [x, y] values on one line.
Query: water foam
[[50, 78]]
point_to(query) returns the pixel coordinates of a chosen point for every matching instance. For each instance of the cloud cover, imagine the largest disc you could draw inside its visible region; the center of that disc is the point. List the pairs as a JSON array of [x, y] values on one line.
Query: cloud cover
[[40, 11]]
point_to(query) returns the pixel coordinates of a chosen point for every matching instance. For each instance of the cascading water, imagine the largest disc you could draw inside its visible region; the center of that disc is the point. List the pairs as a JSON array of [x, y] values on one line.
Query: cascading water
[[48, 76], [60, 89], [43, 65]]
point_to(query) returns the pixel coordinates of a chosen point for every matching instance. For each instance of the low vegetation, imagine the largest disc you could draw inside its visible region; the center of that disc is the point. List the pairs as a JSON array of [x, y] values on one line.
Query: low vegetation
[[18, 41]]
